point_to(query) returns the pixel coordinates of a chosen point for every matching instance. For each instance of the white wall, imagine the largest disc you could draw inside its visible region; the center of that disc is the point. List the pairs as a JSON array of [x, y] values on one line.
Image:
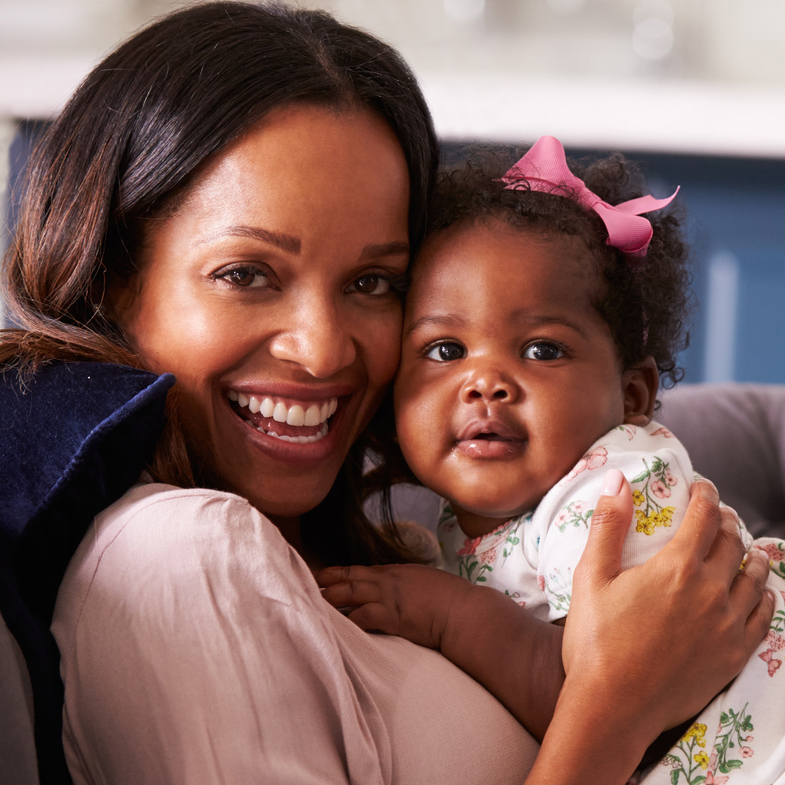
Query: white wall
[[673, 75]]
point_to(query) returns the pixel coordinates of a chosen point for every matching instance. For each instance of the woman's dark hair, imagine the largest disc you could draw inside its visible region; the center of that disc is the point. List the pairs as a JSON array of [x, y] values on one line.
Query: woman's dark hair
[[126, 147], [645, 302]]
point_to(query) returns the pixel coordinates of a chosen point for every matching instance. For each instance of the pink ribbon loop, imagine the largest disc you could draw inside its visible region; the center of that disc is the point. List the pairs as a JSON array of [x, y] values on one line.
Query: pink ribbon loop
[[545, 169]]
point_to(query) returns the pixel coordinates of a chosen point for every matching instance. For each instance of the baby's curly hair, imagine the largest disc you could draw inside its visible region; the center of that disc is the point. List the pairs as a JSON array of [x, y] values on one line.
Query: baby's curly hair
[[645, 302]]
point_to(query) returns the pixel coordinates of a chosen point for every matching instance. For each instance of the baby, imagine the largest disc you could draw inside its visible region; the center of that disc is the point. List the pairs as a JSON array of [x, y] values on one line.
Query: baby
[[543, 311]]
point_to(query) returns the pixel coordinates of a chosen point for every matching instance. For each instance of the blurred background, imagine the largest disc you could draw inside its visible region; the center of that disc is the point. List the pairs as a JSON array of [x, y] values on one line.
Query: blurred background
[[694, 89]]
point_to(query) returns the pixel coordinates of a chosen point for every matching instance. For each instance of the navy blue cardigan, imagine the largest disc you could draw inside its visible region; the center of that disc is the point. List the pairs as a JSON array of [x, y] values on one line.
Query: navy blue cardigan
[[73, 439]]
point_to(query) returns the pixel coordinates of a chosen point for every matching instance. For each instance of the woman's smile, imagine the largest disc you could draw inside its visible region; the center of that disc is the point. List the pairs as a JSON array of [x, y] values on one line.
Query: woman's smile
[[298, 431], [303, 423]]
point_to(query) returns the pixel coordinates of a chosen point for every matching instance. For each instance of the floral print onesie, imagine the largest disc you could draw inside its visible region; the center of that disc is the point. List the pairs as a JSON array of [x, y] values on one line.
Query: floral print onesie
[[740, 736]]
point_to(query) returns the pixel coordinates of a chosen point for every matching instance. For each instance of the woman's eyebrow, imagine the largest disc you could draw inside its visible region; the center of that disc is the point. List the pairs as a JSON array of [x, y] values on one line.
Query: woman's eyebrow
[[385, 249], [291, 244], [285, 242]]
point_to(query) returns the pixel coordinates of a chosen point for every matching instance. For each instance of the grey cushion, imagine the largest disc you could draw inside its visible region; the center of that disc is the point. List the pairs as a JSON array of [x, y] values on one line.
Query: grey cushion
[[735, 434], [17, 749]]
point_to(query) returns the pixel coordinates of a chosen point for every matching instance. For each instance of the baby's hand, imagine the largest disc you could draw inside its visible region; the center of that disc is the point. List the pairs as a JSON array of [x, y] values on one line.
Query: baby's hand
[[409, 600]]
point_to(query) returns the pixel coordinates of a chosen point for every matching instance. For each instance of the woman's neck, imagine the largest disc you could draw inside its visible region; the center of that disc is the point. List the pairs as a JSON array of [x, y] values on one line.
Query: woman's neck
[[290, 529]]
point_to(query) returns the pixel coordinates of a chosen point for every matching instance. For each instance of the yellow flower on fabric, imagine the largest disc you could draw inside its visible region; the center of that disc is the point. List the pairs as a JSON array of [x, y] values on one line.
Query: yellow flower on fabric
[[697, 731], [703, 759], [638, 498], [646, 524]]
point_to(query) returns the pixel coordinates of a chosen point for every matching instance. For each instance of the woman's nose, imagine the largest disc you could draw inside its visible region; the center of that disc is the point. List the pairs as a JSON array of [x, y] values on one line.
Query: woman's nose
[[489, 382], [316, 338]]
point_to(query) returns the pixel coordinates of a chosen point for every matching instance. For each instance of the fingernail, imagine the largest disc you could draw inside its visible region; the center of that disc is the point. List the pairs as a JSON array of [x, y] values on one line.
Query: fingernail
[[708, 482], [611, 483]]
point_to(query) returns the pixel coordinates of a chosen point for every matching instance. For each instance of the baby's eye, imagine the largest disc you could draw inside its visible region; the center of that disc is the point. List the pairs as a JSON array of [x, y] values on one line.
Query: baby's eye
[[446, 352], [371, 284], [246, 277], [543, 351]]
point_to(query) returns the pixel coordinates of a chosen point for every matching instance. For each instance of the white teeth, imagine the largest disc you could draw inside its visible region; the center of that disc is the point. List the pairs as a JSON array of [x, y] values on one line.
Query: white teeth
[[298, 439], [295, 416]]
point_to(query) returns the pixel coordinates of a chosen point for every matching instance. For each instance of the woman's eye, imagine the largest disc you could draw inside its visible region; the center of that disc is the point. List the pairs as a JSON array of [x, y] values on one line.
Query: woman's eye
[[446, 352], [247, 277], [371, 284], [542, 351]]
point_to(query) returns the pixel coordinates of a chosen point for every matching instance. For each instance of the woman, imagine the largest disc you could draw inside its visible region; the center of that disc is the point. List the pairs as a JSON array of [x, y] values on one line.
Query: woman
[[233, 197]]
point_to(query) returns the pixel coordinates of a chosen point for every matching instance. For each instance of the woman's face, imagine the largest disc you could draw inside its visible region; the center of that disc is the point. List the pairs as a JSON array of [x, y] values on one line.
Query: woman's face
[[270, 295]]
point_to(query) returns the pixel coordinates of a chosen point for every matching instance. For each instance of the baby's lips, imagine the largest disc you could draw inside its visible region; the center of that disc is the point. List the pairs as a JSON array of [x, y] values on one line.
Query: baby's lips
[[479, 427]]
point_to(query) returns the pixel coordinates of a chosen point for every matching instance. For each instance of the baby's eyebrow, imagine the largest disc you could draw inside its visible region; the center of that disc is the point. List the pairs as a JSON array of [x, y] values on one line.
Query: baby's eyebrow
[[455, 321], [545, 319], [450, 320]]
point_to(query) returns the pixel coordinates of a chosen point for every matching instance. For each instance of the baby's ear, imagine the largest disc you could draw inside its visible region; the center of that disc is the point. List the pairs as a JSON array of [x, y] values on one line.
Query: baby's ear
[[639, 385]]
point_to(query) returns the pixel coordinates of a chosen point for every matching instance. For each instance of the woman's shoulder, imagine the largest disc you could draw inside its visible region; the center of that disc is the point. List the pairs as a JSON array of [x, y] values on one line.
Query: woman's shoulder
[[162, 512], [155, 522], [160, 545]]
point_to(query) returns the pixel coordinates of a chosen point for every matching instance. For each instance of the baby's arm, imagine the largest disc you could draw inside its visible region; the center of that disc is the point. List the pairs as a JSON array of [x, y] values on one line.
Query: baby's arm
[[482, 631]]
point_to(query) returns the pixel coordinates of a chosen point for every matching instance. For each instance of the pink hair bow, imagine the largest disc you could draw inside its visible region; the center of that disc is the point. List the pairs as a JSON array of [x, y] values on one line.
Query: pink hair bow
[[545, 169]]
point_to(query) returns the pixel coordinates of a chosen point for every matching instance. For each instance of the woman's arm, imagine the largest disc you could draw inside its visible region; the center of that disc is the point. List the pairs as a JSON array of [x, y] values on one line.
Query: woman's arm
[[625, 679]]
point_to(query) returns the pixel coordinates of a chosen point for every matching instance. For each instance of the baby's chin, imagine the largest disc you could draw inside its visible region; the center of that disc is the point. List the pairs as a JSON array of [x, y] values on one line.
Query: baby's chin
[[477, 520]]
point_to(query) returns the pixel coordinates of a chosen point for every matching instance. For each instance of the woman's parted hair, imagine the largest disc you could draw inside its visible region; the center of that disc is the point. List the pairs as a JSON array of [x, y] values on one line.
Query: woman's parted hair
[[127, 145]]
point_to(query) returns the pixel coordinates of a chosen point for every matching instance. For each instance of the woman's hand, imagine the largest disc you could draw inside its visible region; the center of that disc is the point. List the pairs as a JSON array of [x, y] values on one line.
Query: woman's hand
[[674, 631], [648, 648]]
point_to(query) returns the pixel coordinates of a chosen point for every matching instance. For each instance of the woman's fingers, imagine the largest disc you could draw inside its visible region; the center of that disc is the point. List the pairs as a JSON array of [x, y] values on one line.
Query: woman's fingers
[[697, 533], [748, 593], [683, 623], [610, 523], [726, 553]]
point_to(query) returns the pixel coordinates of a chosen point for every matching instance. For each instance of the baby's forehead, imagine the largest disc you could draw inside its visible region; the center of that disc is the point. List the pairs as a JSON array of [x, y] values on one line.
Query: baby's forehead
[[491, 276], [493, 244]]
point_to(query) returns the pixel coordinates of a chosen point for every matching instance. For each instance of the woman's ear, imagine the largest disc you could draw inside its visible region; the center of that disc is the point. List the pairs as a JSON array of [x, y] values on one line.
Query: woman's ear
[[639, 385]]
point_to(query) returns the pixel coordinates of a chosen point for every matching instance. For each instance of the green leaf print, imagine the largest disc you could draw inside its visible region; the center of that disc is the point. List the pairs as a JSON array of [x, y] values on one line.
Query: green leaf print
[[473, 570]]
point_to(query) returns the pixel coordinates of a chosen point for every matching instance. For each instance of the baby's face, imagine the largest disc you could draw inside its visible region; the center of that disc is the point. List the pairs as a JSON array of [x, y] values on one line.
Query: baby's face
[[508, 373]]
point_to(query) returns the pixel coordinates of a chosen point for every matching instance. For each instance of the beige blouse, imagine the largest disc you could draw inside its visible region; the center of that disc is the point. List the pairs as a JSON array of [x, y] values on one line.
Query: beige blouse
[[196, 648]]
